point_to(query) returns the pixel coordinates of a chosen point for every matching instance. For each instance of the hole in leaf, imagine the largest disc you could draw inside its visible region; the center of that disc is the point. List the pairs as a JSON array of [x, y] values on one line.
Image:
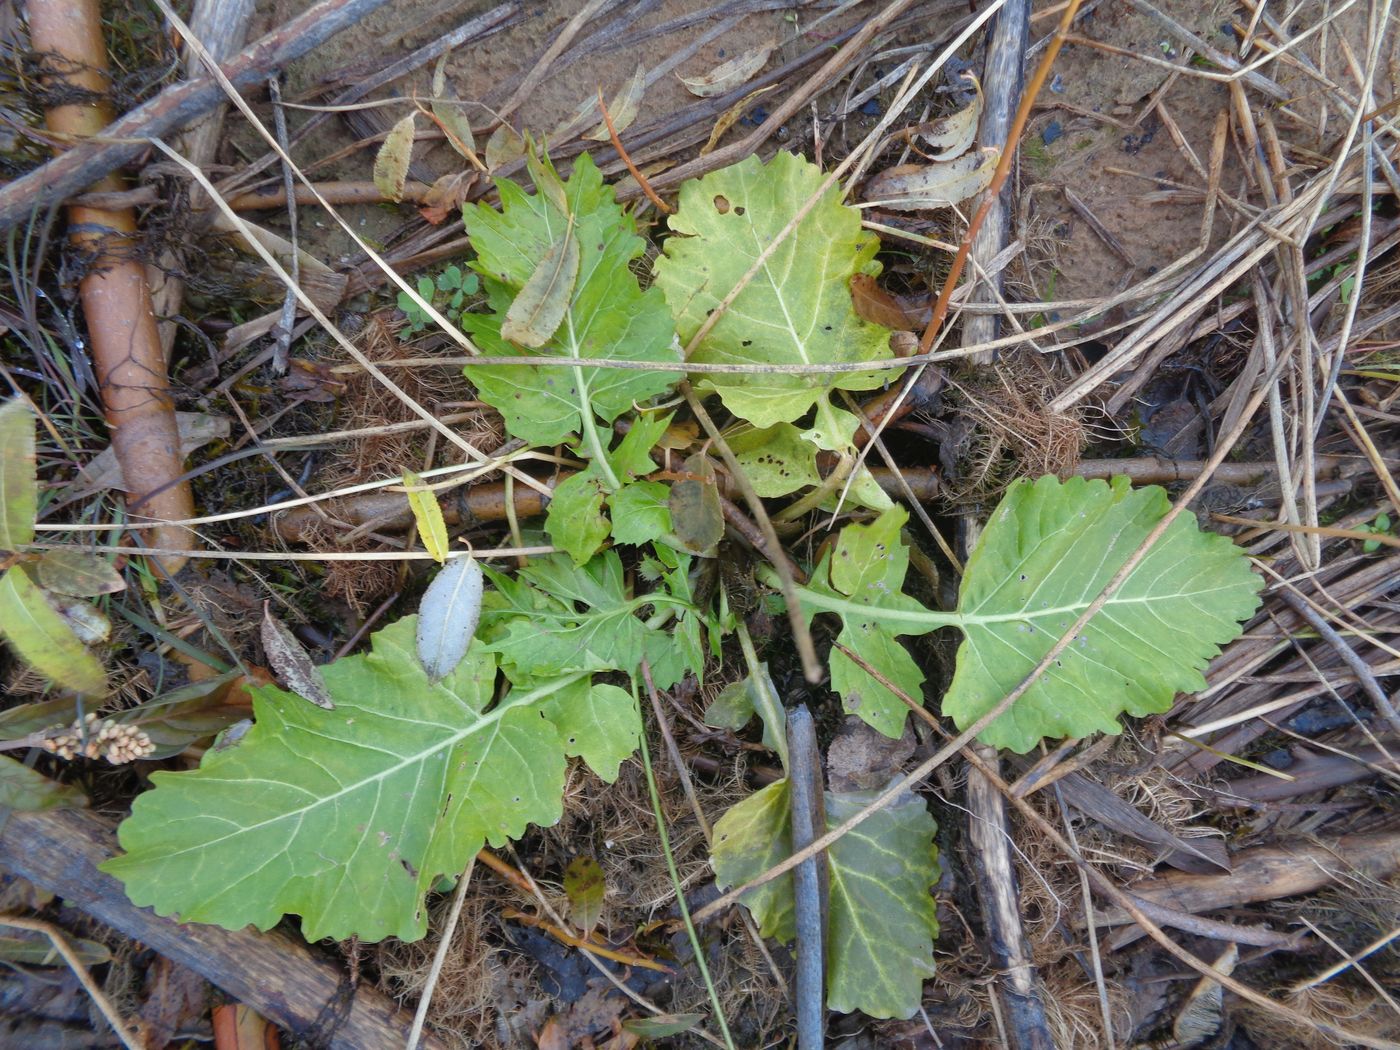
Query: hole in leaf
[[721, 204]]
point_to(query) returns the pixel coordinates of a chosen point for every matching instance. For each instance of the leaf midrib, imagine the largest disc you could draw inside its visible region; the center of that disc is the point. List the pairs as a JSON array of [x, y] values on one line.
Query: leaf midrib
[[481, 723]]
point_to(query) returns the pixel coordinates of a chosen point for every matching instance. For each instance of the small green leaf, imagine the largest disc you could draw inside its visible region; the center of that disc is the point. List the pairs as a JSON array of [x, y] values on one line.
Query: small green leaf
[[641, 512], [28, 790], [432, 528], [882, 920], [597, 722], [777, 460], [19, 493], [391, 162], [662, 1025], [868, 568], [632, 457], [555, 616], [575, 520], [43, 638], [584, 886], [76, 572], [38, 950]]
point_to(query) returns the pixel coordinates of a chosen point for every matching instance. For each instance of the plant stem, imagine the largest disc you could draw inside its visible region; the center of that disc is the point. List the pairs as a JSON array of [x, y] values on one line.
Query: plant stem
[[684, 908]]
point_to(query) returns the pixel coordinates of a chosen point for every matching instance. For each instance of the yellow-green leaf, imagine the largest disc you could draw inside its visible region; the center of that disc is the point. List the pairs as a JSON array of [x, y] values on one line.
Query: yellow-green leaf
[[78, 573], [432, 529], [449, 114], [539, 308], [391, 163], [29, 790], [18, 489], [43, 639]]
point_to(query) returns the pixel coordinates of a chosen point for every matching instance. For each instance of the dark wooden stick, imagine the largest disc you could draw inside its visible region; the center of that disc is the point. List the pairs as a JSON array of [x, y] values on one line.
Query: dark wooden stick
[[176, 106], [806, 783], [1003, 74], [278, 976]]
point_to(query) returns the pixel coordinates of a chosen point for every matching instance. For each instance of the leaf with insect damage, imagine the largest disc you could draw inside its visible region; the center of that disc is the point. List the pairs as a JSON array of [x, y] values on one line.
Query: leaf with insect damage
[[796, 310]]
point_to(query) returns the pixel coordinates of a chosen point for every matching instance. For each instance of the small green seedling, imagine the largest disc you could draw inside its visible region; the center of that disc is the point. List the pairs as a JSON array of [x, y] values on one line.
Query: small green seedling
[[1382, 526], [448, 295]]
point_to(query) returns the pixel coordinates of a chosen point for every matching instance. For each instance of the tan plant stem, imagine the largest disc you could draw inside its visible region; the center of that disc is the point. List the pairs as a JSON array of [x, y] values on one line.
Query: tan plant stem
[[121, 324], [128, 1038], [802, 637]]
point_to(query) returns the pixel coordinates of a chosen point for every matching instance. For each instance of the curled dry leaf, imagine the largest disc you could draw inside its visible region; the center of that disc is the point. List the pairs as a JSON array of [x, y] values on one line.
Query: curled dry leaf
[[445, 196], [731, 116], [505, 145], [696, 514], [921, 187], [391, 163], [727, 76], [952, 136], [291, 662], [623, 108], [448, 615], [878, 306], [449, 114]]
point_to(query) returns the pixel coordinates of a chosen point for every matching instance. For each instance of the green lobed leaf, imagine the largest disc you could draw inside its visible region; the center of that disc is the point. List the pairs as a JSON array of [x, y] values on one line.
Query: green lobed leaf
[[43, 638], [19, 492], [554, 616], [348, 817], [27, 789], [1047, 552], [882, 920], [867, 568], [641, 512], [796, 310], [607, 316], [575, 520]]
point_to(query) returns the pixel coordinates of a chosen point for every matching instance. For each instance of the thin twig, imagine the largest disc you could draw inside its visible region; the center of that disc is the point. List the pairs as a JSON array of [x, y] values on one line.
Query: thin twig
[[128, 1038], [425, 998]]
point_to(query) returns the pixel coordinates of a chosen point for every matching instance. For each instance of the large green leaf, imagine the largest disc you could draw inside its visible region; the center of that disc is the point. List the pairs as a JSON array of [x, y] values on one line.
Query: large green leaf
[[18, 489], [43, 638], [607, 315], [348, 817], [1048, 551], [882, 921], [796, 310]]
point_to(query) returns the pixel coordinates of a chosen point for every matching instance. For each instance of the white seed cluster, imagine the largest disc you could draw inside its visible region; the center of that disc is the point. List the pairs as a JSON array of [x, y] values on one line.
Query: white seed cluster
[[93, 737]]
